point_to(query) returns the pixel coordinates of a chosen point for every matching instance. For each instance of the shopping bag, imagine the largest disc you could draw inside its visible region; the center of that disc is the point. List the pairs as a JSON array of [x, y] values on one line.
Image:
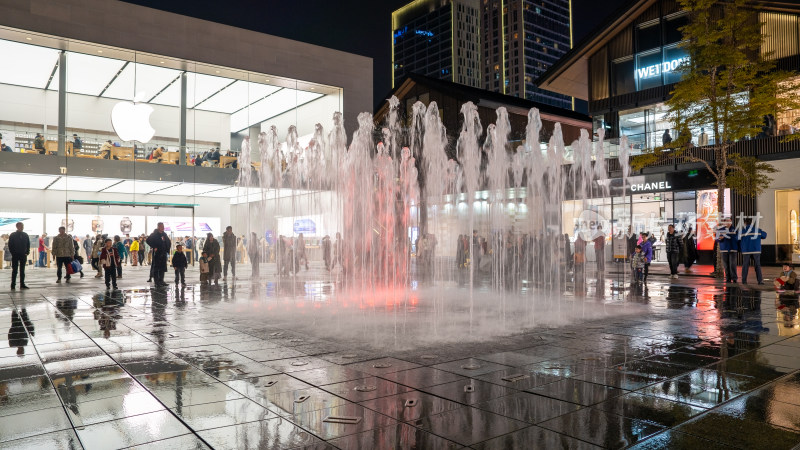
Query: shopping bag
[[70, 270], [76, 266]]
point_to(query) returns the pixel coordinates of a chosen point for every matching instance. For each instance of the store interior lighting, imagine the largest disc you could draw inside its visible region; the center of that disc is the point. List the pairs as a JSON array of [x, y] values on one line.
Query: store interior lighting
[[248, 103]]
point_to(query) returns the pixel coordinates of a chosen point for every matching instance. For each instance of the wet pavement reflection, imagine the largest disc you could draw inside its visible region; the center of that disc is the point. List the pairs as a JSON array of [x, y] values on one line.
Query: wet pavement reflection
[[680, 365]]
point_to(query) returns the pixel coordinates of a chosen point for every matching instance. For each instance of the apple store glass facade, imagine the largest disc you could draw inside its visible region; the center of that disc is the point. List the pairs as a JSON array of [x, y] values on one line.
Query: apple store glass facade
[[98, 130]]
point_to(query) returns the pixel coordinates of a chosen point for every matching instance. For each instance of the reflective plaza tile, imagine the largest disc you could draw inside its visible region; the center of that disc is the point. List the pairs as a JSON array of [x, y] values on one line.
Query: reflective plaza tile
[[111, 408], [577, 391], [410, 405], [32, 423], [422, 377], [468, 391], [29, 400], [657, 410], [601, 428], [382, 366], [344, 420], [749, 421], [518, 378], [299, 401], [132, 431], [178, 395], [528, 407], [399, 436], [184, 442], [274, 433], [534, 437], [470, 367], [329, 375], [221, 414], [365, 389], [705, 388], [468, 425], [59, 440], [677, 440]]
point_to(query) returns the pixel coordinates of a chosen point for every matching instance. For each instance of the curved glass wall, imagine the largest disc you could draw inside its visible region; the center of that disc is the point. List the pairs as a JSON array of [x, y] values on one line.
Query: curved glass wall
[[119, 140]]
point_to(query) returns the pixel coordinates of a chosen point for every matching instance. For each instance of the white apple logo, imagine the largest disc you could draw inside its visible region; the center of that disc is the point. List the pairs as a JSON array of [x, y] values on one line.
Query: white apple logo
[[131, 121]]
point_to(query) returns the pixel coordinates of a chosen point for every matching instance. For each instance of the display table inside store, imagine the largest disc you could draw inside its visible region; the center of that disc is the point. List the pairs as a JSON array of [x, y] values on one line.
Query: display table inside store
[[225, 161]]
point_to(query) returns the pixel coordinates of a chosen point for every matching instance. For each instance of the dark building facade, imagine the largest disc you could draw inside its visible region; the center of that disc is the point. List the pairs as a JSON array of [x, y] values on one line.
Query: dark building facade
[[626, 71], [439, 39], [449, 98], [522, 39]]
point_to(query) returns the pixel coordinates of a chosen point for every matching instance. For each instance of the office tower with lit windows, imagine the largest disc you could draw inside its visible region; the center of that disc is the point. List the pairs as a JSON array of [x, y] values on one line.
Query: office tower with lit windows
[[439, 39], [521, 39]]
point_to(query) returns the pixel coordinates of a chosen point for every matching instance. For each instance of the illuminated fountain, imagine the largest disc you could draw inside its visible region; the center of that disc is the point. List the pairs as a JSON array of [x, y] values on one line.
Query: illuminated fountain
[[398, 197]]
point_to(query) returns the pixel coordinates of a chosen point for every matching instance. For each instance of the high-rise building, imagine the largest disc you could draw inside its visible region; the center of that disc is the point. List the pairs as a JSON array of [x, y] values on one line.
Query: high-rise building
[[521, 39], [437, 38]]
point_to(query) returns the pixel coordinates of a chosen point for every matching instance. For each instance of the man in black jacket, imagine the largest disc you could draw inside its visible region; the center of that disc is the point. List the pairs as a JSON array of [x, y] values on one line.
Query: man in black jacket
[[673, 247], [160, 243], [19, 244]]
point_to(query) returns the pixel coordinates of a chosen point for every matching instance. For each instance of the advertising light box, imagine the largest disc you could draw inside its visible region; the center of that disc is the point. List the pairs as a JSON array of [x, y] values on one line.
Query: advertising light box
[[34, 223]]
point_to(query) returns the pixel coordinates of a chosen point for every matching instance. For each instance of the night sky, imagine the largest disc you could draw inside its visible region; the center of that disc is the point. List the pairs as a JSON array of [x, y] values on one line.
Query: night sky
[[362, 27]]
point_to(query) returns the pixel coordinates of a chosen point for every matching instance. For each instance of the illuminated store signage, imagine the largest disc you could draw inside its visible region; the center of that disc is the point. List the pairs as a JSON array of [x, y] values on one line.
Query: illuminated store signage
[[650, 187], [657, 69], [401, 32]]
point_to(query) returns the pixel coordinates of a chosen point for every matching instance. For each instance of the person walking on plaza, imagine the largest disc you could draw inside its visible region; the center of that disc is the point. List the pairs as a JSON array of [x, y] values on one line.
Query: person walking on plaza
[[301, 250], [109, 260], [229, 249], [142, 249], [42, 251], [338, 250], [161, 244], [750, 241], [134, 252], [326, 252], [19, 245], [127, 243], [63, 251], [179, 263], [123, 253], [253, 252], [96, 249], [729, 247], [600, 251], [87, 247], [673, 248], [690, 249], [211, 249], [631, 241], [77, 256], [647, 249]]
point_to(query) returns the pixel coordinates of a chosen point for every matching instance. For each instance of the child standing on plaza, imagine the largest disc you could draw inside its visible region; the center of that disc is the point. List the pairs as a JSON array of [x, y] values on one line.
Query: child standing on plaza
[[109, 261], [638, 260], [179, 263], [204, 268]]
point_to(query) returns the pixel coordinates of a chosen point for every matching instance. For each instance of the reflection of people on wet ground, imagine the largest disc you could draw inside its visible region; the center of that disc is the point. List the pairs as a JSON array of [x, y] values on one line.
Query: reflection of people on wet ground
[[787, 281], [21, 328]]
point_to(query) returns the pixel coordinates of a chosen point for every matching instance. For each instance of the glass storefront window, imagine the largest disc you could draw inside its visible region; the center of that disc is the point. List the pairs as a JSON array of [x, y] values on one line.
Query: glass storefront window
[[672, 26], [644, 126], [787, 226], [624, 76], [648, 70], [787, 121], [648, 36], [674, 57]]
